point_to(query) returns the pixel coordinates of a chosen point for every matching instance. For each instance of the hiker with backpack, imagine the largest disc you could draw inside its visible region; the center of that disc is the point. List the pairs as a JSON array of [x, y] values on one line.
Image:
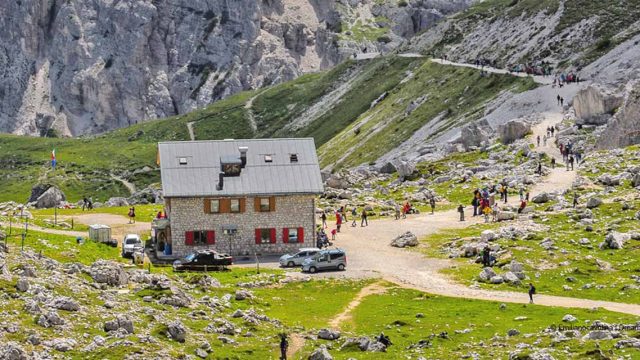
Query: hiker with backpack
[[532, 291], [354, 212], [432, 203], [363, 217]]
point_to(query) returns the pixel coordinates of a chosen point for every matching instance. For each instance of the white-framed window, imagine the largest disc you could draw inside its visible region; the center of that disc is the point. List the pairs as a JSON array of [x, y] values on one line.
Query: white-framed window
[[265, 236], [293, 235], [234, 205], [215, 206], [265, 204]]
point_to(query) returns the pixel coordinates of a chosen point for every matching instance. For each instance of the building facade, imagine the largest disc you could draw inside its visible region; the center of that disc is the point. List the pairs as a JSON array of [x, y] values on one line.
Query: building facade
[[241, 197]]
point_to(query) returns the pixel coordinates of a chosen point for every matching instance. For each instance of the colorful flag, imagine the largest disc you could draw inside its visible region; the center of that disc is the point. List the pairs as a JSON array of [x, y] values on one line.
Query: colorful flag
[[53, 158]]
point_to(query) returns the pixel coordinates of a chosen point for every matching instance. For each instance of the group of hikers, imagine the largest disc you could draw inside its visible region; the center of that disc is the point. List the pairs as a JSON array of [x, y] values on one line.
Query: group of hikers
[[400, 211], [484, 201]]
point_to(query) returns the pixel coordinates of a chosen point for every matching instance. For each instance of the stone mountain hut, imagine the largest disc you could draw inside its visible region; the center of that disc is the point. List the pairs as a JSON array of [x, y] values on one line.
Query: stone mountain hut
[[238, 196]]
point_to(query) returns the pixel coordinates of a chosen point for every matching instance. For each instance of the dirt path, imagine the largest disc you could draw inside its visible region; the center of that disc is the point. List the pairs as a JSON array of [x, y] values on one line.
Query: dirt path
[[345, 315], [371, 256], [296, 343], [192, 135], [130, 186], [546, 80], [119, 224]]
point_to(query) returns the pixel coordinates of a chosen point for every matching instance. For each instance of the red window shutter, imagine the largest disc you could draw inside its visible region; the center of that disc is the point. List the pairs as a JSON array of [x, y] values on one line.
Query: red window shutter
[[285, 235], [300, 235], [258, 237], [273, 235], [211, 237], [188, 238]]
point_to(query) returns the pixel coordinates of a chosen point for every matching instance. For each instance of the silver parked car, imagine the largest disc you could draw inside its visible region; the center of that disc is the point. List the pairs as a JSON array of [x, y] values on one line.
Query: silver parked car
[[296, 259], [131, 244], [333, 259]]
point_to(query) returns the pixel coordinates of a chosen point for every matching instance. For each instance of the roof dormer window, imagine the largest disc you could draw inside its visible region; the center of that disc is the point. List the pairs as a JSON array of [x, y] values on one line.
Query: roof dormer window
[[293, 158], [182, 161], [268, 158]]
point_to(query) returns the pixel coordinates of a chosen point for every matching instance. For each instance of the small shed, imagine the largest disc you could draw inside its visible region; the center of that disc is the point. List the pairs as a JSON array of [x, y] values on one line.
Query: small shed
[[100, 233]]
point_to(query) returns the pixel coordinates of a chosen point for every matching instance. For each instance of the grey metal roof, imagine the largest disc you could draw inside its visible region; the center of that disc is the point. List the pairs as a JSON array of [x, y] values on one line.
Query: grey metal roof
[[199, 177]]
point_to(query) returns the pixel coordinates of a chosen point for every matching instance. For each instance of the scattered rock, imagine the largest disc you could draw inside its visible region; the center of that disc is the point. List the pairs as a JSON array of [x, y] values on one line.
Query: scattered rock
[[22, 285], [50, 319], [513, 130], [594, 202], [321, 354], [569, 318], [406, 239], [243, 294], [177, 331], [328, 334], [108, 272], [64, 303], [614, 240], [121, 322]]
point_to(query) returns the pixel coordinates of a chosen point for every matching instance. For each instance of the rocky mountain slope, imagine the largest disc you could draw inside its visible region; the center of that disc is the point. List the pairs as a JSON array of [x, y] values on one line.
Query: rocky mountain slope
[[77, 67]]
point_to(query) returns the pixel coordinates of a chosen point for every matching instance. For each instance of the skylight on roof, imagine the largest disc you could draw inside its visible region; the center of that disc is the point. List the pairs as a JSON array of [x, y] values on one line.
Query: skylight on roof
[[182, 161], [293, 158], [268, 158]]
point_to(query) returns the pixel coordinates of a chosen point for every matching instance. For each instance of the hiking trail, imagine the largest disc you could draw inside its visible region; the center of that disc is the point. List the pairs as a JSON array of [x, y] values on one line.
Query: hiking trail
[[130, 186], [345, 315]]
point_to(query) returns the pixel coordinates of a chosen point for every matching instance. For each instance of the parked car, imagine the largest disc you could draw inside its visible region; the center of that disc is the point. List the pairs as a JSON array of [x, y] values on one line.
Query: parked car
[[296, 259], [333, 259], [203, 260], [131, 244]]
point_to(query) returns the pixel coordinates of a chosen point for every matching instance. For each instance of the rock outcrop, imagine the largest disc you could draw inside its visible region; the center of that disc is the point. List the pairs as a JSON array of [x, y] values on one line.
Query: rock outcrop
[[624, 128], [513, 130], [78, 67], [595, 105]]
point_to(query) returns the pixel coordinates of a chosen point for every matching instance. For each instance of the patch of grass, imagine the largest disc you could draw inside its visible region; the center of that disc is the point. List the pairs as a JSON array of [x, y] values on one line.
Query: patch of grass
[[449, 94], [394, 313]]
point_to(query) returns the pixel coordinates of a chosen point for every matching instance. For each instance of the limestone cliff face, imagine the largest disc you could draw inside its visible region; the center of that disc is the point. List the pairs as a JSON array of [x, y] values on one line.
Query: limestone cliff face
[[82, 67]]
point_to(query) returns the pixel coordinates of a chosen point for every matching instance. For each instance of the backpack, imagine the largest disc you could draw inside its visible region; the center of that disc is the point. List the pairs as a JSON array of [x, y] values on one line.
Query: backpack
[[533, 289]]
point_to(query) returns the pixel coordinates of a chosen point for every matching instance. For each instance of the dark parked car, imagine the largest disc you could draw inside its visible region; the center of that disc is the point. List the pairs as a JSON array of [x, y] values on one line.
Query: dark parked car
[[202, 261]]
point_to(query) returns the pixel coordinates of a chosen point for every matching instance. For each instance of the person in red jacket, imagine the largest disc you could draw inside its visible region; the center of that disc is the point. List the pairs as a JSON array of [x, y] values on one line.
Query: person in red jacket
[[338, 220]]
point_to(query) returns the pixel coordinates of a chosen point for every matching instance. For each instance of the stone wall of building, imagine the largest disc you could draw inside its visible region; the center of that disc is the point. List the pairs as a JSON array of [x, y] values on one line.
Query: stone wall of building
[[295, 211]]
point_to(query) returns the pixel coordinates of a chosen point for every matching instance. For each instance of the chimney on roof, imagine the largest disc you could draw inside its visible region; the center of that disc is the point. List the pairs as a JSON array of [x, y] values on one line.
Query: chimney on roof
[[220, 181], [243, 155]]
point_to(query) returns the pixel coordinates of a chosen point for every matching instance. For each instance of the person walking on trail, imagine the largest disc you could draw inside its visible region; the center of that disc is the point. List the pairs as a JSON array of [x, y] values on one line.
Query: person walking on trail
[[132, 215], [553, 163], [397, 211], [324, 219], [575, 200], [486, 211], [553, 130], [354, 213], [559, 99], [432, 203], [85, 203], [521, 193], [90, 203], [506, 193], [544, 140], [475, 203], [334, 232], [495, 212], [571, 160], [538, 140], [284, 346], [338, 220], [344, 214], [526, 196], [532, 291], [363, 218], [539, 171], [461, 211]]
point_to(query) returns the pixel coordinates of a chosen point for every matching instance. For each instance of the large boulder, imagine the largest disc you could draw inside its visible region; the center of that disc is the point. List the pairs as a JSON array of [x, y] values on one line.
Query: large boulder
[[387, 168], [177, 331], [320, 354], [404, 240], [405, 169], [506, 216], [149, 195], [116, 201], [328, 334], [108, 272], [593, 202], [624, 128], [52, 197], [595, 105], [336, 181], [476, 134], [64, 303], [541, 198], [614, 240], [36, 191], [486, 274], [513, 130]]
